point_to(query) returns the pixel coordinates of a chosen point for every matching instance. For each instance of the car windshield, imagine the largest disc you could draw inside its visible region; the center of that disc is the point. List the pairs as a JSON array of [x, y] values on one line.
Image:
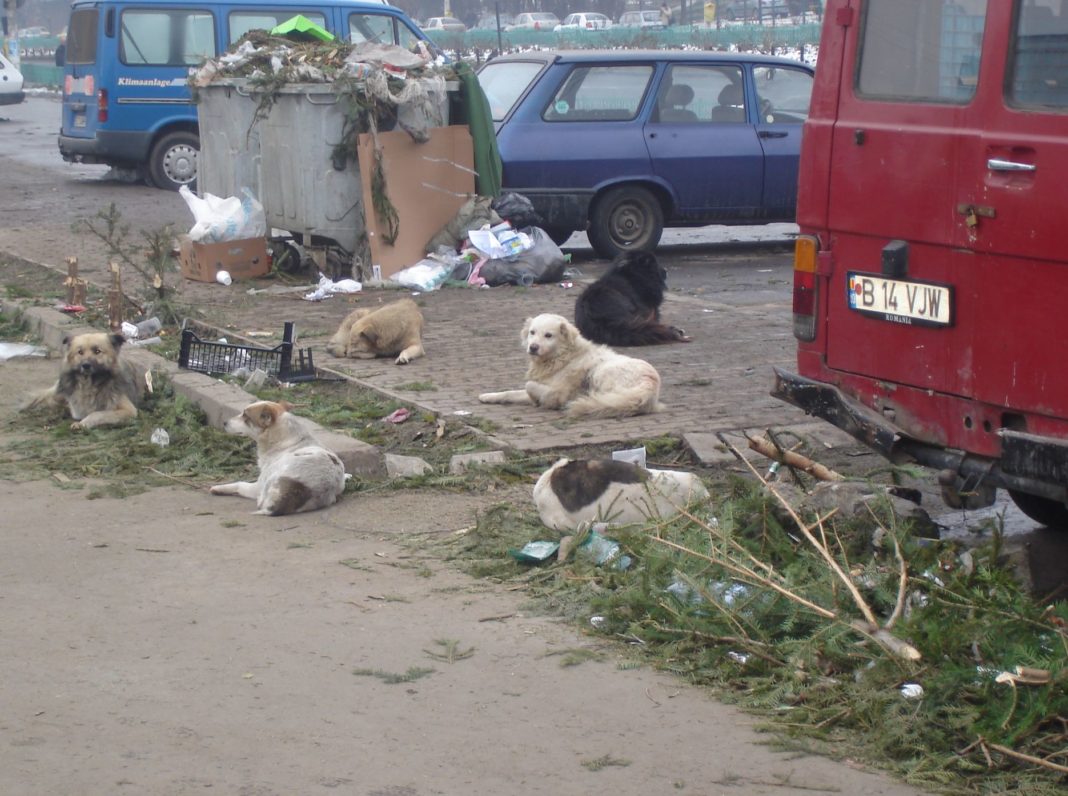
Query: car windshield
[[504, 83]]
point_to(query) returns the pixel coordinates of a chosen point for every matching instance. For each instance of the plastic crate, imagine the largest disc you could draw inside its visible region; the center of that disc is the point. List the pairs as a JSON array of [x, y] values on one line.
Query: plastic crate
[[223, 358]]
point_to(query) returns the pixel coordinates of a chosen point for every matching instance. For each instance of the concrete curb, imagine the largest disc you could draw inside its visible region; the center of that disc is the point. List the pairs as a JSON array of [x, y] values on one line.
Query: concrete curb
[[218, 400]]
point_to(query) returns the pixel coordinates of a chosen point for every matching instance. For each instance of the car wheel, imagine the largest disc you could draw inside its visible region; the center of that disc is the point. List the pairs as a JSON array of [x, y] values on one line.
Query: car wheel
[[1050, 513], [558, 235], [625, 219], [173, 162]]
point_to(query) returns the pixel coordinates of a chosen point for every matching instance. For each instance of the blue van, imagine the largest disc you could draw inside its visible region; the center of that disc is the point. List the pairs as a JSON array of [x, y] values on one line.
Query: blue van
[[126, 101]]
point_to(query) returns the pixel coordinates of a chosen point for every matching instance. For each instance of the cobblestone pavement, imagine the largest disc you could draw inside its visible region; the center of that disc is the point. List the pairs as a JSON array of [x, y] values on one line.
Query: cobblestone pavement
[[719, 382]]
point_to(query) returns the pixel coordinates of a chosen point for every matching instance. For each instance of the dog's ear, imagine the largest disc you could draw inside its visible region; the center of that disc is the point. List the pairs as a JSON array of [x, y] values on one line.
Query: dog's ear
[[66, 340], [370, 335], [526, 331], [117, 340], [567, 332], [286, 406], [264, 418]]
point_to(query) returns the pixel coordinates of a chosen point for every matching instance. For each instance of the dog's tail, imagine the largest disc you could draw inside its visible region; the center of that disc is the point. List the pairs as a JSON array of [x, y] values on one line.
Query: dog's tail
[[640, 332], [41, 399], [640, 398]]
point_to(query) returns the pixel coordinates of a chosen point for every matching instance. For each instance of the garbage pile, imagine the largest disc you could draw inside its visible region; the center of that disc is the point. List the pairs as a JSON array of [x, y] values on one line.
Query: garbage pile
[[396, 85]]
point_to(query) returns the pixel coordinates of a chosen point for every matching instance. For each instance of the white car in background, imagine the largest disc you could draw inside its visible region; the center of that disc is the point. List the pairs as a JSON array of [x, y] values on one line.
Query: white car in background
[[641, 19], [10, 83], [585, 20], [535, 20]]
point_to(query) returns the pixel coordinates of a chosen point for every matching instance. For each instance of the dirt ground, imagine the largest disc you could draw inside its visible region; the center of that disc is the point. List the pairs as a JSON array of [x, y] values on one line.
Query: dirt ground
[[172, 643]]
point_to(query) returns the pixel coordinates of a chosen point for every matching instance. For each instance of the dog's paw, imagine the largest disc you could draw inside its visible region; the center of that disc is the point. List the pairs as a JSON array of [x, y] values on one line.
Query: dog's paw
[[77, 426], [403, 359], [680, 335]]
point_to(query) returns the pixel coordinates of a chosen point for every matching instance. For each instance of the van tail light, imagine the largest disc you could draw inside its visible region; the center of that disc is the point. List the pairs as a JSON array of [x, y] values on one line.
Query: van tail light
[[68, 85], [102, 105], [806, 288]]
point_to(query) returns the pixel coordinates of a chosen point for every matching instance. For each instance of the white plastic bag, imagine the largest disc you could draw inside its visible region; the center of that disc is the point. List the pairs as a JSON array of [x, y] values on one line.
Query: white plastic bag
[[217, 220], [425, 275]]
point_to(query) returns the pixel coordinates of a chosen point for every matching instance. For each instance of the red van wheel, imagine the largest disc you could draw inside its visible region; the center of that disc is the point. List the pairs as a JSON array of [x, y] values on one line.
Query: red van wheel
[[173, 162], [1050, 513]]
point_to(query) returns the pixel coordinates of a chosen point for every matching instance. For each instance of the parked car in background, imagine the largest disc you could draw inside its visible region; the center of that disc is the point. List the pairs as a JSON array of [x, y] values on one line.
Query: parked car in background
[[624, 143], [11, 91], [444, 23], [535, 20], [585, 20], [641, 19], [489, 22], [759, 10]]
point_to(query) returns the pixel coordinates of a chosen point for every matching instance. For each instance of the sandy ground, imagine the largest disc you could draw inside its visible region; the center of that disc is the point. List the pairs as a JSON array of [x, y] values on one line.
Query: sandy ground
[[171, 643]]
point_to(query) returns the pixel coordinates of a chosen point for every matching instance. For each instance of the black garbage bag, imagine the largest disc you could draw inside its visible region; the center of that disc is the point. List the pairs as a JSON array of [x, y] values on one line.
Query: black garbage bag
[[516, 209], [542, 262]]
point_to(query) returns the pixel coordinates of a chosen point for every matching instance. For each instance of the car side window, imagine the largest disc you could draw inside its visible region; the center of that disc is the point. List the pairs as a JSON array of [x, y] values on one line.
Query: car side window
[[241, 22], [1039, 56], [699, 93], [607, 93], [166, 37], [783, 94]]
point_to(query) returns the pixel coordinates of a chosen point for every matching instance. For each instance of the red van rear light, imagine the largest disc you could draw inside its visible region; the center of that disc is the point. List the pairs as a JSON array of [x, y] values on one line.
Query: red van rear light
[[102, 105], [805, 287]]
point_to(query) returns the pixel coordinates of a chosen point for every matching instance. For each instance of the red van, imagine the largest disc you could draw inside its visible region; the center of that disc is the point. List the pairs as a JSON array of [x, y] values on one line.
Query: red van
[[931, 272]]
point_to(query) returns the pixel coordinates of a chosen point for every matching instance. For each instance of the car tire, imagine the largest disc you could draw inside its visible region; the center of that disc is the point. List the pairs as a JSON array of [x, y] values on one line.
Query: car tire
[[558, 235], [173, 162], [628, 218], [1051, 513]]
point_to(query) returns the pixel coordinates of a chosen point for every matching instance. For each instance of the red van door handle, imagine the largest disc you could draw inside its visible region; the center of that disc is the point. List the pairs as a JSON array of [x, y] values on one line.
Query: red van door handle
[[999, 164]]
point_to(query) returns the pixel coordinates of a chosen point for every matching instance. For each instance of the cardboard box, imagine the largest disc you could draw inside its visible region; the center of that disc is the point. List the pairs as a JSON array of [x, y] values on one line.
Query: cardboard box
[[427, 184], [243, 259]]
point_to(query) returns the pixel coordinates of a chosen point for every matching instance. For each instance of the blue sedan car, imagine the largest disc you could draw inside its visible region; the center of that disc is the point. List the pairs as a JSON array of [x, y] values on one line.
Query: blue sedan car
[[624, 143]]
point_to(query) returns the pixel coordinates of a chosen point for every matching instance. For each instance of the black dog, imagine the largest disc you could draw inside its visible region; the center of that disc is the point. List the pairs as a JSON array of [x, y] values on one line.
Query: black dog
[[622, 308]]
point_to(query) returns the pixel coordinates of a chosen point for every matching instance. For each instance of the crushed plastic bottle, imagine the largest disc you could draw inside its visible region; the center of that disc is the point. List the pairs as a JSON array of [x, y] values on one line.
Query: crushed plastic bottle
[[160, 437], [603, 551]]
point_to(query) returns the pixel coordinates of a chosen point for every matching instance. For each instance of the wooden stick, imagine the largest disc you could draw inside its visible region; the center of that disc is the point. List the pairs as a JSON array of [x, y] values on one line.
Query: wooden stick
[[794, 459], [1038, 761]]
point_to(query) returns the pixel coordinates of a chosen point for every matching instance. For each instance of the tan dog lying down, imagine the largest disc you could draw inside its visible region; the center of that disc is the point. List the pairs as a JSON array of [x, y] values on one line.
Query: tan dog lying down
[[391, 330], [584, 379], [296, 472], [572, 494], [96, 384]]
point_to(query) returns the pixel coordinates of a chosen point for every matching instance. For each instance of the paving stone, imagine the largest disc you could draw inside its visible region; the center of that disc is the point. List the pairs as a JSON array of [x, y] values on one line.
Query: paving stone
[[462, 462]]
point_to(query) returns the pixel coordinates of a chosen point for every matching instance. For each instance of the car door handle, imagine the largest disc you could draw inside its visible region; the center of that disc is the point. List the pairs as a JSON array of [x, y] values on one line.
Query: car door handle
[[997, 164], [772, 134]]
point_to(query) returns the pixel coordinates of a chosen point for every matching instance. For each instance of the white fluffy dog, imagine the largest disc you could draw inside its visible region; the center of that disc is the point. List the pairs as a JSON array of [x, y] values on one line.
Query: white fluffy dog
[[585, 379], [571, 494], [296, 472]]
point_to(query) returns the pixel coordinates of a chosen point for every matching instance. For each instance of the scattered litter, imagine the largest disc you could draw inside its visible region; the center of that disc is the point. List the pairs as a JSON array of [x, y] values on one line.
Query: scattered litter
[[535, 552], [398, 416], [12, 350], [160, 437], [461, 412], [911, 690], [603, 551], [147, 341], [632, 455], [223, 277], [567, 284], [328, 287], [217, 219], [1024, 675], [425, 275], [598, 621], [738, 657], [146, 328], [257, 378], [70, 309]]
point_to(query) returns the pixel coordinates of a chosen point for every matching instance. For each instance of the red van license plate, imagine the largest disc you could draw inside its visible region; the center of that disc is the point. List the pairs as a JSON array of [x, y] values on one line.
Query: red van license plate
[[900, 301]]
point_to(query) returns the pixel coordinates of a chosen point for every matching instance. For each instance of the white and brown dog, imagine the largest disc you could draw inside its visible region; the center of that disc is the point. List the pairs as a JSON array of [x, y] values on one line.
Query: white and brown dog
[[571, 494], [296, 472], [585, 379]]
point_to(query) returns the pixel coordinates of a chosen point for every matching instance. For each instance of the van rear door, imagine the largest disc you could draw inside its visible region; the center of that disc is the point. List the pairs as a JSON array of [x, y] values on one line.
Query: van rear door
[[899, 121], [79, 119]]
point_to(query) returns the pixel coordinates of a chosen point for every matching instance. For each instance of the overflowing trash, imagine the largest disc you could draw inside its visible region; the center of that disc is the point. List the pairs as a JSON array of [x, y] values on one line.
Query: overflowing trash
[[219, 219]]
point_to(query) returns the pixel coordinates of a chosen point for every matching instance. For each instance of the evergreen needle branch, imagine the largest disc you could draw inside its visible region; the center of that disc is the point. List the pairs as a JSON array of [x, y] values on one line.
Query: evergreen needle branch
[[1038, 761]]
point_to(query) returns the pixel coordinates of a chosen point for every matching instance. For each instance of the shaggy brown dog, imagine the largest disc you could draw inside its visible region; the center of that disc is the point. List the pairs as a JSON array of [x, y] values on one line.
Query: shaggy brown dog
[[95, 384], [393, 330], [584, 379], [622, 308]]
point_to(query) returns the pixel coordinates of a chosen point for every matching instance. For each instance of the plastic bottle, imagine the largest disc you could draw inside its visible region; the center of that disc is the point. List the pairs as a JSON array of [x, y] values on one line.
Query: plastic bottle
[[148, 327], [602, 550]]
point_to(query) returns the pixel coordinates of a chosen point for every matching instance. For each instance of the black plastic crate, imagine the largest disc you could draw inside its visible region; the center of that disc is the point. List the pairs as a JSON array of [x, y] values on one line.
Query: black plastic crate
[[224, 358]]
